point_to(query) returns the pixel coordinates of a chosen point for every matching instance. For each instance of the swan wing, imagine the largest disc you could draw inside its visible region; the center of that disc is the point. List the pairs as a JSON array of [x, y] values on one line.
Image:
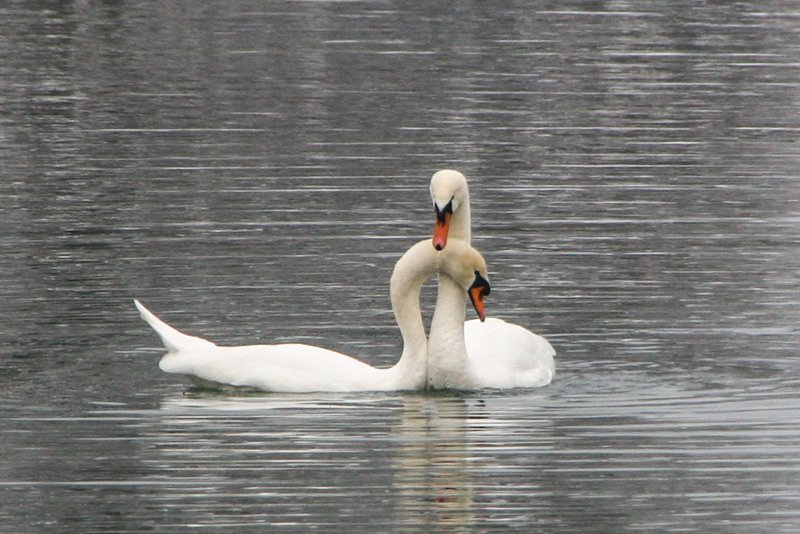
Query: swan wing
[[506, 355]]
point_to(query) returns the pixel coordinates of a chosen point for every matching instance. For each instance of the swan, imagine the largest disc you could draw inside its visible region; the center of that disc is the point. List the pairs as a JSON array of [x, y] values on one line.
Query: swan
[[295, 367], [491, 353]]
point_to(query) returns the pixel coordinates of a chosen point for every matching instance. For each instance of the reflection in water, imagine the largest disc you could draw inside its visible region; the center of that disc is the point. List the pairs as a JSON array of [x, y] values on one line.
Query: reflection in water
[[428, 463], [433, 465], [593, 451], [417, 452]]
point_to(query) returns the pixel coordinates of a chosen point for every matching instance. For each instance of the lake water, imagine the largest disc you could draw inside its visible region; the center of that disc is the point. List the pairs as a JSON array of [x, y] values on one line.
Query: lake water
[[252, 170]]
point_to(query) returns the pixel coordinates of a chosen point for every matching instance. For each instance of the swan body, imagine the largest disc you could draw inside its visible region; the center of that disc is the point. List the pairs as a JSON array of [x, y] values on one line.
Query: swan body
[[472, 355], [528, 364], [287, 367], [292, 367], [485, 360]]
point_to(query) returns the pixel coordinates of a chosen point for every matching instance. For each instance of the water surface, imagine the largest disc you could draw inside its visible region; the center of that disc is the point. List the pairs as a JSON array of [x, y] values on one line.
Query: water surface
[[251, 172]]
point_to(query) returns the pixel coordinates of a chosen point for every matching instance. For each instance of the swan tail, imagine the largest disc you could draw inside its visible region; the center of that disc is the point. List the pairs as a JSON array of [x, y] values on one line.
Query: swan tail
[[174, 341]]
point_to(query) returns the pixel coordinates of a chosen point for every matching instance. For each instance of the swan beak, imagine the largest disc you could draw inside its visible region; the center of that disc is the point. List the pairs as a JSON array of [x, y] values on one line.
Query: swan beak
[[479, 289], [441, 226]]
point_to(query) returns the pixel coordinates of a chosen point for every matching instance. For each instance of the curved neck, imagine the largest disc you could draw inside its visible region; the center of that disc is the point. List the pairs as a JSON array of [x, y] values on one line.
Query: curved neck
[[447, 350], [410, 273]]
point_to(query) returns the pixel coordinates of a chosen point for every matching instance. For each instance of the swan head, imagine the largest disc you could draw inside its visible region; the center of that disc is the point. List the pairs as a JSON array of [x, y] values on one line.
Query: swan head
[[448, 192], [467, 268]]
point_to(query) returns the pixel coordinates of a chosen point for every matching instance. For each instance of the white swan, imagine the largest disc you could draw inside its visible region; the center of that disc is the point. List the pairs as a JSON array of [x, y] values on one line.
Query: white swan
[[304, 368], [490, 354]]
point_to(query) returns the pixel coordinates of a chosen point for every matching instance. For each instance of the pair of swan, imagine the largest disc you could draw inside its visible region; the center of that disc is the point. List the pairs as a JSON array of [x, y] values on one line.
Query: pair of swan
[[457, 355], [297, 368]]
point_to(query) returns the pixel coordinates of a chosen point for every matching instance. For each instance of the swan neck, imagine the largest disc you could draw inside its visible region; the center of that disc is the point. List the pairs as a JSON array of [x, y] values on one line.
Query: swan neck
[[447, 351], [410, 273], [461, 223]]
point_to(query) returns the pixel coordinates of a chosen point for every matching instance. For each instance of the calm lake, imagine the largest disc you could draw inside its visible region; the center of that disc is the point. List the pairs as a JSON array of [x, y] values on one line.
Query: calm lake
[[251, 170]]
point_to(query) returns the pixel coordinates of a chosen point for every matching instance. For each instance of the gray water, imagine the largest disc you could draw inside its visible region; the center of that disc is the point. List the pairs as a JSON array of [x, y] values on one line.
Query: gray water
[[252, 170]]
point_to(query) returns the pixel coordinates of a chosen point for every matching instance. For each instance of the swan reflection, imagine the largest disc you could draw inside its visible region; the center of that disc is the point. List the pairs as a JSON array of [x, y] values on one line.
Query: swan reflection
[[311, 450], [420, 461], [432, 466]]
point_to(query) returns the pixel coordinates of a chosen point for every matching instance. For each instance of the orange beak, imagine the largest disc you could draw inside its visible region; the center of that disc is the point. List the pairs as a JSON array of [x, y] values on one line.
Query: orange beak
[[440, 230], [479, 289], [476, 296]]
